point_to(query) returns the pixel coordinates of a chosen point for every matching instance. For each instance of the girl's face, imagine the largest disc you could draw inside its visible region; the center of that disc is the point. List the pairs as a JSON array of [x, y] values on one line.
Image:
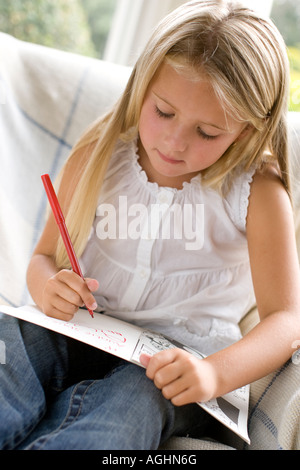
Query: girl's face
[[183, 128]]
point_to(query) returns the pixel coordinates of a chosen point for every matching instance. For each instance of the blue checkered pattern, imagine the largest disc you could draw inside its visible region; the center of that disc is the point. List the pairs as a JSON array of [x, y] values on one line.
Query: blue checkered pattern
[[47, 98]]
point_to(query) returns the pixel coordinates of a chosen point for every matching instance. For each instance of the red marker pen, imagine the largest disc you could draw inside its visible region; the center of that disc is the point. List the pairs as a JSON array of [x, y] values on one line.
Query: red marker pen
[[60, 220]]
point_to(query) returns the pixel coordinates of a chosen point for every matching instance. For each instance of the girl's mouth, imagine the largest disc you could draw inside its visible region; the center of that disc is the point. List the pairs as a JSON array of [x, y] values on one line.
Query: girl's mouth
[[167, 159]]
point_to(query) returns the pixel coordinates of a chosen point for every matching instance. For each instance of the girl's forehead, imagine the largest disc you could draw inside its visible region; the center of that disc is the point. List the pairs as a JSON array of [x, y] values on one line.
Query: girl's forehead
[[182, 68], [193, 96], [169, 77]]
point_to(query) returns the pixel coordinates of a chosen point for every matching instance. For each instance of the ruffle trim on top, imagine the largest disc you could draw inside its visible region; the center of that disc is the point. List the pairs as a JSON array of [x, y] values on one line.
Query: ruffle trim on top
[[237, 200], [153, 186], [244, 199]]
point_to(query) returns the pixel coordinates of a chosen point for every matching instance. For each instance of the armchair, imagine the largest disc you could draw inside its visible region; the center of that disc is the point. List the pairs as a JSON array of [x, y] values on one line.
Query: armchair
[[47, 98]]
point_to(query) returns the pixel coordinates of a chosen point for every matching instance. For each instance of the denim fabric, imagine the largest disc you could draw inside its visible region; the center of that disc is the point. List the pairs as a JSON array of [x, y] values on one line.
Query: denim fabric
[[60, 394]]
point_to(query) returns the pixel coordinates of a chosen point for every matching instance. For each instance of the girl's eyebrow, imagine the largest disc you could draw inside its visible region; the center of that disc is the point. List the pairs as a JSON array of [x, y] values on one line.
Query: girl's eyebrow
[[202, 122]]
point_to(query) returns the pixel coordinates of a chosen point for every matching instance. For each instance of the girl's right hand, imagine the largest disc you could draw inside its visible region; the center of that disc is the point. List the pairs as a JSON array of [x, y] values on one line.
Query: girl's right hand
[[65, 292]]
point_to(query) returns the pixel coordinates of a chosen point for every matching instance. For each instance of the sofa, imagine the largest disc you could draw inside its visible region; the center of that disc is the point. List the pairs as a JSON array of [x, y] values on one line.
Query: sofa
[[47, 98]]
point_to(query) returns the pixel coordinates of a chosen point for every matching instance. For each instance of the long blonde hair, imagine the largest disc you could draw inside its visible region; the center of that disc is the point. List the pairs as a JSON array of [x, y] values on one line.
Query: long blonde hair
[[245, 58]]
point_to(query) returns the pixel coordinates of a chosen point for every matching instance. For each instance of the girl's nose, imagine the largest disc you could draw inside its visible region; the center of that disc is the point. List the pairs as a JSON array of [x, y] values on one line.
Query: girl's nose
[[176, 138]]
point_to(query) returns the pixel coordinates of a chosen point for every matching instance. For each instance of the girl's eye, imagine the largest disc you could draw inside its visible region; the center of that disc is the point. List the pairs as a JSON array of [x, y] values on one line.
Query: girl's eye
[[200, 132], [161, 114], [205, 136]]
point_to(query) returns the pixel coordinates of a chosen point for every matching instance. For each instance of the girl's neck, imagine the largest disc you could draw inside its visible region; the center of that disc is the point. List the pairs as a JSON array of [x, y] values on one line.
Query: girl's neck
[[155, 177]]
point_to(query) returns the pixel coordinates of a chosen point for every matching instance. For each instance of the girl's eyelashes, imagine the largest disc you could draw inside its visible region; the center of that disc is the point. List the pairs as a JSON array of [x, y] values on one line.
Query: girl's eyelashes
[[200, 132], [162, 114], [204, 135]]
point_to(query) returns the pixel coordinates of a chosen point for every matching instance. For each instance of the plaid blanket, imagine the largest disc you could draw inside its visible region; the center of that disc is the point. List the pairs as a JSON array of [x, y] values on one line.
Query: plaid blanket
[[47, 98]]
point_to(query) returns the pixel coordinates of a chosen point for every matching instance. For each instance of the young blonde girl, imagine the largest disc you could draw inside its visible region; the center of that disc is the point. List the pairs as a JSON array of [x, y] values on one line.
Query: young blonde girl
[[202, 120]]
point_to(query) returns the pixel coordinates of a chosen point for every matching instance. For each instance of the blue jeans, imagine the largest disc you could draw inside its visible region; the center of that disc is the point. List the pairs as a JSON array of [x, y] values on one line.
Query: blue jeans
[[57, 393]]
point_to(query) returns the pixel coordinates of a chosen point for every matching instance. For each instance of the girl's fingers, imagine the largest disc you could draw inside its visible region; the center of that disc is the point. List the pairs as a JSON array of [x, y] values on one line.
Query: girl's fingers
[[159, 361], [80, 293], [65, 305], [65, 292], [58, 314], [144, 360], [92, 284], [182, 377]]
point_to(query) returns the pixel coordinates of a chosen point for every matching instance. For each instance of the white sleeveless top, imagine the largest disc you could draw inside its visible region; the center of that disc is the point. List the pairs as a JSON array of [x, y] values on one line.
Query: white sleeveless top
[[175, 261]]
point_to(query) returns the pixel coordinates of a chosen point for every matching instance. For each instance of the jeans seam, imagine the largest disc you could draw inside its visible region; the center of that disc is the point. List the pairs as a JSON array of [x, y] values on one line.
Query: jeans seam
[[67, 421], [70, 417]]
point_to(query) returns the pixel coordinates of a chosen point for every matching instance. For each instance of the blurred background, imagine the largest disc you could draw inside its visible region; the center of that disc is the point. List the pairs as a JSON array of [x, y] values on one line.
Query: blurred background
[[116, 30]]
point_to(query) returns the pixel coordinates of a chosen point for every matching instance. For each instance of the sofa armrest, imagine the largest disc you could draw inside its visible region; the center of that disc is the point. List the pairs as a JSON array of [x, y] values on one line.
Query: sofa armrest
[[274, 416], [274, 406]]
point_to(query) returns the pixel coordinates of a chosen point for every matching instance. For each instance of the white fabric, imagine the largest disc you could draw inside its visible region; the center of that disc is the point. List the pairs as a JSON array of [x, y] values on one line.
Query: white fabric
[[47, 98], [193, 285]]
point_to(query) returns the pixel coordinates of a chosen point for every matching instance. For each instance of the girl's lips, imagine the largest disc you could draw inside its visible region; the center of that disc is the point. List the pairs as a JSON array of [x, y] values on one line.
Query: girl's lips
[[168, 160]]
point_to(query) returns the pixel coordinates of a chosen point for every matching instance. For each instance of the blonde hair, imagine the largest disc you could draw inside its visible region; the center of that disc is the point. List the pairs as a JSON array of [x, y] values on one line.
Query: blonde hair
[[245, 58]]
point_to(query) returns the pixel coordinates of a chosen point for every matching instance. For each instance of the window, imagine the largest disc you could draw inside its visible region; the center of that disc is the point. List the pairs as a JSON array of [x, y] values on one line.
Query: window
[[133, 23], [79, 26], [286, 16], [85, 26], [116, 30], [100, 14]]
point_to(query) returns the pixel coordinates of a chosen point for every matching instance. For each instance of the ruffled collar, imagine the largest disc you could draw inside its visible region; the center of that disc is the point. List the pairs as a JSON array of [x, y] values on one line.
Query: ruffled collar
[[153, 186]]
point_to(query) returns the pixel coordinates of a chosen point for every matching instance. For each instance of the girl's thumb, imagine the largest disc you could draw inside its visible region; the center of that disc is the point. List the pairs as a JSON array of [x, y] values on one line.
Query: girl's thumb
[[92, 284]]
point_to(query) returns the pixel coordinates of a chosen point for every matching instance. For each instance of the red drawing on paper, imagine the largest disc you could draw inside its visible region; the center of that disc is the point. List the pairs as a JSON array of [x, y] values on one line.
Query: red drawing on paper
[[115, 337], [110, 340]]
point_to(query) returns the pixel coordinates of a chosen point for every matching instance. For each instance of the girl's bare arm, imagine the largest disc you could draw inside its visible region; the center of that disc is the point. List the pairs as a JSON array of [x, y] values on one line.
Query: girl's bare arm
[[276, 280], [59, 293]]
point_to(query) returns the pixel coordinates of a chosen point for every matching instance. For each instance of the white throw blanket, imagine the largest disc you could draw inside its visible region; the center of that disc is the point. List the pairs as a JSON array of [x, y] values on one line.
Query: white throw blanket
[[47, 98]]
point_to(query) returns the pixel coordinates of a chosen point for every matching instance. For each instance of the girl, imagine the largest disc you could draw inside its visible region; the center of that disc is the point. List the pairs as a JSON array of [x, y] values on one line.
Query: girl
[[197, 150]]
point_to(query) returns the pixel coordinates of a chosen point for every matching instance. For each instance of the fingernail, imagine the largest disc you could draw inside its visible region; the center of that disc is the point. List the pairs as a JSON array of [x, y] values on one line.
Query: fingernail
[[144, 360], [94, 306]]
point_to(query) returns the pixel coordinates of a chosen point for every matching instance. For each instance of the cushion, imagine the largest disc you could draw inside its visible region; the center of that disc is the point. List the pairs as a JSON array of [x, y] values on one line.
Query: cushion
[[47, 99]]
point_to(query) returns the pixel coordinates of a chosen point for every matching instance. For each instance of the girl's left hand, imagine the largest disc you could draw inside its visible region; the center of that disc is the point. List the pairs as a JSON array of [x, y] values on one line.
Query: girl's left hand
[[182, 377]]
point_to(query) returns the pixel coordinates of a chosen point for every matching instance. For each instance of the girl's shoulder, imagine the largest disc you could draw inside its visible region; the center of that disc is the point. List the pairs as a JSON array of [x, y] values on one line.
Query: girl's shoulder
[[266, 176], [268, 194], [255, 187]]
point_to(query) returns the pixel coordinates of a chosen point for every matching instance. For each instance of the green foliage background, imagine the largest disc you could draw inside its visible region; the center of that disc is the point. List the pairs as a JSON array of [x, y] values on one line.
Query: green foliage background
[[294, 56], [286, 16], [82, 26], [79, 26]]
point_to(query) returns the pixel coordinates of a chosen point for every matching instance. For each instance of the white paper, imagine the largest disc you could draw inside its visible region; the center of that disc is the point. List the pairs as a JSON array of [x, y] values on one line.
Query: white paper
[[128, 342]]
